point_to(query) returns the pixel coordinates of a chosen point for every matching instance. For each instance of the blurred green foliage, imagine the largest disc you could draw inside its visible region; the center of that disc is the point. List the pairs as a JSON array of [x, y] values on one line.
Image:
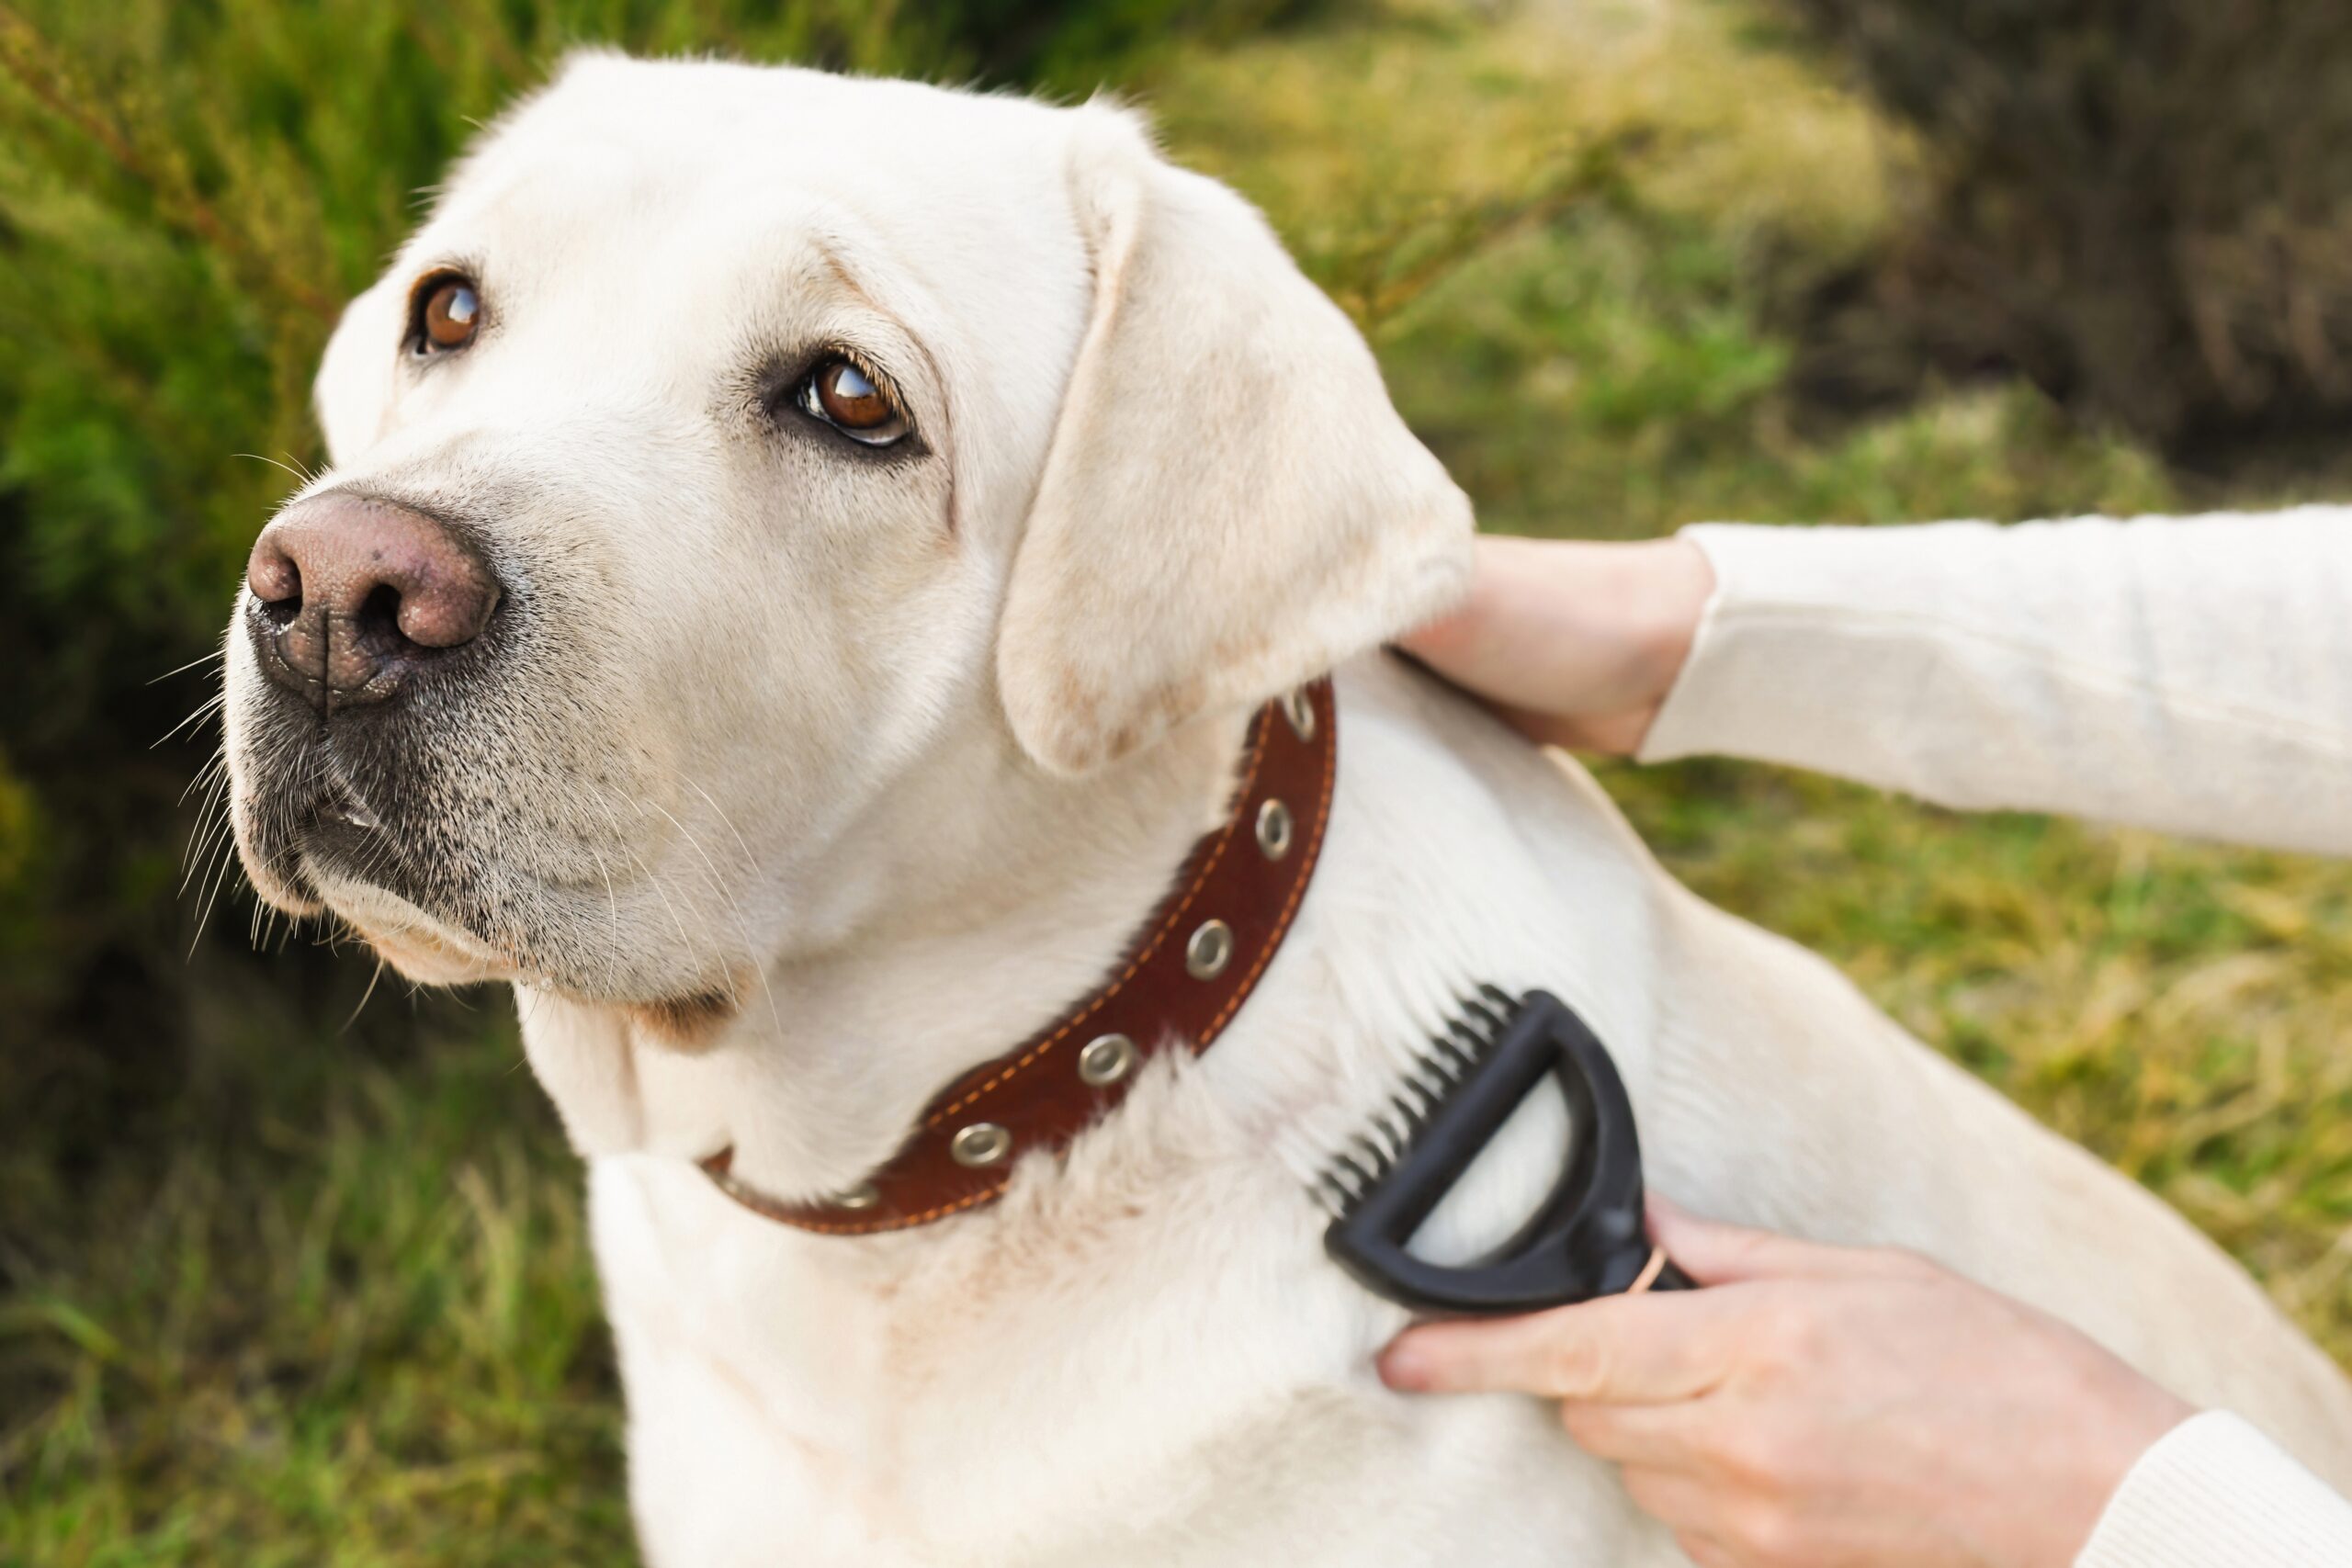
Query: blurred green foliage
[[280, 1288]]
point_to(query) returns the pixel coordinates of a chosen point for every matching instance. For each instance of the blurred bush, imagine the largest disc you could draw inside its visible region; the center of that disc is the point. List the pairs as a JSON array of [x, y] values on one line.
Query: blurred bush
[[189, 188], [2146, 205]]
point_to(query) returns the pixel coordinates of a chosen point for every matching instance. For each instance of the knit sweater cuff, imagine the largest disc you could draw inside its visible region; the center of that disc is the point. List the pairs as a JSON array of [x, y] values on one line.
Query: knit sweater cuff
[[2215, 1492]]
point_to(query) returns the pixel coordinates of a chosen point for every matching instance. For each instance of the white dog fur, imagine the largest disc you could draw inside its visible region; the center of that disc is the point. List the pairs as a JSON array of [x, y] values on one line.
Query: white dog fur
[[805, 777]]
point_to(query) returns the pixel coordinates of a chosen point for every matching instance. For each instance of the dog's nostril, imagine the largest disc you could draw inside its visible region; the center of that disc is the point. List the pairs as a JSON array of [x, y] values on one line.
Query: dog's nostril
[[276, 581], [379, 616]]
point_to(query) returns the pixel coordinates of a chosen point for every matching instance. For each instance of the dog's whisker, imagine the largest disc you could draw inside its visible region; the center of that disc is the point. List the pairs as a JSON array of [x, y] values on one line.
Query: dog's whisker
[[750, 867], [751, 862], [646, 871], [612, 900], [218, 653], [217, 766], [300, 476], [211, 779], [202, 711], [199, 862], [213, 824], [362, 1006], [742, 921], [227, 873]]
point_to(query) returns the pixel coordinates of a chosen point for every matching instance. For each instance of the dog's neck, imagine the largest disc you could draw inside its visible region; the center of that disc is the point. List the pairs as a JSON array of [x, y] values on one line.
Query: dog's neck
[[974, 901]]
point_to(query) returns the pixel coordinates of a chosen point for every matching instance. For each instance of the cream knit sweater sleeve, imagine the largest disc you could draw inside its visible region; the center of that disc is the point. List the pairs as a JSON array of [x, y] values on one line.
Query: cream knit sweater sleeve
[[2215, 1492], [2193, 675]]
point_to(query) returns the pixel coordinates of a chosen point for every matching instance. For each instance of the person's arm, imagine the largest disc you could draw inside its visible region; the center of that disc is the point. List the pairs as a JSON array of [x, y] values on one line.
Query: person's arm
[[2192, 675], [1838, 1407], [2215, 1492]]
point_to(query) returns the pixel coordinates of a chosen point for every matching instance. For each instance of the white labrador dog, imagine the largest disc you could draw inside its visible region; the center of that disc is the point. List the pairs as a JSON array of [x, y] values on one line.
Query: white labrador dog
[[799, 555]]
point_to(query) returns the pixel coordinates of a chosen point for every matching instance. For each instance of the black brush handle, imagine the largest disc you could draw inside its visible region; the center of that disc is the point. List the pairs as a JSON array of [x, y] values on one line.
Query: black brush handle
[[1587, 1239]]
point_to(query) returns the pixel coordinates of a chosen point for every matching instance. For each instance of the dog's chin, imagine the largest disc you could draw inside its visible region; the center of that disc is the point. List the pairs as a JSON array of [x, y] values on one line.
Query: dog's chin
[[432, 952], [427, 959], [331, 860], [418, 946], [272, 864]]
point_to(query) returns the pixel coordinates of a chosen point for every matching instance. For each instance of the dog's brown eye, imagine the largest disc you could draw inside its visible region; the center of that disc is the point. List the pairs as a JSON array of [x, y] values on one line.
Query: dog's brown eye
[[853, 403], [449, 316]]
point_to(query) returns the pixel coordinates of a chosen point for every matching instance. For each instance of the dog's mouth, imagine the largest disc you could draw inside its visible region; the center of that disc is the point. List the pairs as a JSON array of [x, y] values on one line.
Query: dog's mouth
[[366, 871], [331, 832], [345, 809], [442, 911], [316, 840], [341, 836]]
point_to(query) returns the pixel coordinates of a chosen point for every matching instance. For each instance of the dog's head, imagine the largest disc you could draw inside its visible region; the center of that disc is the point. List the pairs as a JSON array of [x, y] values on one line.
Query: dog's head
[[727, 438]]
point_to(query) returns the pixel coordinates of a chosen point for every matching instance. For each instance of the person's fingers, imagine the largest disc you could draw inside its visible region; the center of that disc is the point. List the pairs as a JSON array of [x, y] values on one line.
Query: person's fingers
[[1488, 621], [1708, 1552], [1655, 1437], [1641, 1348], [1574, 643], [1684, 1504], [1717, 1254], [1443, 643]]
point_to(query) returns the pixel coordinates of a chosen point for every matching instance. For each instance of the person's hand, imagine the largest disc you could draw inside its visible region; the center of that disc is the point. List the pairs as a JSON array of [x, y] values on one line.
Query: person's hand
[[1824, 1407], [1576, 644]]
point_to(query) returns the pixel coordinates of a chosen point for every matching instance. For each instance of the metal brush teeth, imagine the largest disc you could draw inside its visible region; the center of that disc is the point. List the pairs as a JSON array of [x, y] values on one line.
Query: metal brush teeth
[[1450, 1056]]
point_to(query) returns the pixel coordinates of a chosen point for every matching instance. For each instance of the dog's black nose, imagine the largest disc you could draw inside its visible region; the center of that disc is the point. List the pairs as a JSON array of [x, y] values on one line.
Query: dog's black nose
[[354, 592]]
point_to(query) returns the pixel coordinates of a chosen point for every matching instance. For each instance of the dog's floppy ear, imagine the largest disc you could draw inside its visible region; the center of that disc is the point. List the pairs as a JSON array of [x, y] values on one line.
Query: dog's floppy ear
[[1230, 504]]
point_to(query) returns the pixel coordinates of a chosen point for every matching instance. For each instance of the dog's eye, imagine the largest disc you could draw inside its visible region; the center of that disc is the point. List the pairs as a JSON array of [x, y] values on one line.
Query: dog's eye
[[853, 403], [448, 314]]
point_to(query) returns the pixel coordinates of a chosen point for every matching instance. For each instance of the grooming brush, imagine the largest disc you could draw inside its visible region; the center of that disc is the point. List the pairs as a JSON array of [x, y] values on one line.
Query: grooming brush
[[1587, 1239]]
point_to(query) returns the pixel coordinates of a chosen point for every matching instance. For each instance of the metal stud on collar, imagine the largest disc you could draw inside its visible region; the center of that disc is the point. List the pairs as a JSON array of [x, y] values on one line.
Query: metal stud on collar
[[1209, 951], [1299, 708], [1273, 829], [865, 1195], [1105, 1059], [980, 1145]]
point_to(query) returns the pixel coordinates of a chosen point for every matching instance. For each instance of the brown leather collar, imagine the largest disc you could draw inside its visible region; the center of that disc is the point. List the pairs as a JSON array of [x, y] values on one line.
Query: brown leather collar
[[1186, 974]]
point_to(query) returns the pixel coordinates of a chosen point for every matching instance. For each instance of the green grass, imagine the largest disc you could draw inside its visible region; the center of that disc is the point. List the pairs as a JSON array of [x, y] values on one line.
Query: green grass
[[369, 1336], [354, 1322]]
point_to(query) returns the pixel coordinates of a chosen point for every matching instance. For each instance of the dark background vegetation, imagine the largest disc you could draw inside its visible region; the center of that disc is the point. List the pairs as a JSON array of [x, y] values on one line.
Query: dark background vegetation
[[289, 1275], [2145, 205]]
